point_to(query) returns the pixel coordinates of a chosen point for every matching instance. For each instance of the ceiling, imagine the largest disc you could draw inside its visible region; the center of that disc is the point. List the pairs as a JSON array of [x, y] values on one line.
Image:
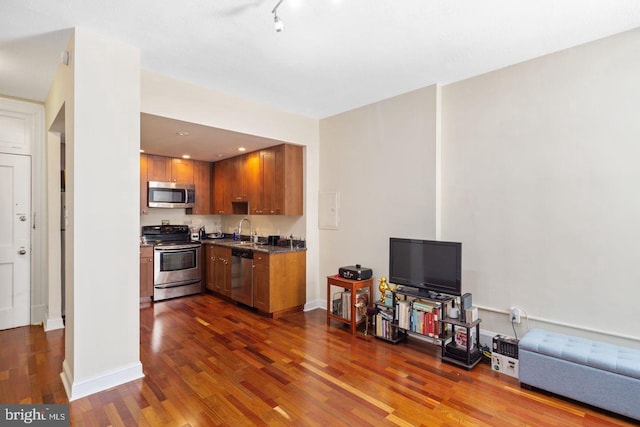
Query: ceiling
[[333, 55], [176, 138]]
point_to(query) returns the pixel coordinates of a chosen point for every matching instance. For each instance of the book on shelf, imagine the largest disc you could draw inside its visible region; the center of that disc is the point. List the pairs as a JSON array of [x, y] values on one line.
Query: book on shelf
[[424, 305], [388, 298], [346, 305], [403, 313], [336, 304], [386, 314], [361, 295], [424, 317], [461, 338], [430, 324], [446, 307], [385, 327]]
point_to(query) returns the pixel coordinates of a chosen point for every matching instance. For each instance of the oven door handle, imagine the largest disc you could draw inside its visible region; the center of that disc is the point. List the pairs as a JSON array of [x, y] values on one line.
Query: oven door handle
[[175, 284], [176, 249]]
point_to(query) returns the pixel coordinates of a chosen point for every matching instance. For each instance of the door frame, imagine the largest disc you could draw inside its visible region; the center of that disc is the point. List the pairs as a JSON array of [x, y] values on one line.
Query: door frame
[[39, 227]]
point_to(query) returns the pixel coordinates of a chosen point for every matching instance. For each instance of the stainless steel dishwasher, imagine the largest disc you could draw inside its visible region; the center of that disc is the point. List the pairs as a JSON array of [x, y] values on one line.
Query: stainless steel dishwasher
[[242, 276]]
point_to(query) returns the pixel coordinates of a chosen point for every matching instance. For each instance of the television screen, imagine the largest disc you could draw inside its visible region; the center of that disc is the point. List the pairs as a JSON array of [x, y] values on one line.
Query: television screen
[[427, 265]]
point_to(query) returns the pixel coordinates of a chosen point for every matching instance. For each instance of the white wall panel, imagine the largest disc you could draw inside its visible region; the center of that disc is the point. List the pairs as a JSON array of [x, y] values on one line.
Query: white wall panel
[[381, 158], [540, 183]]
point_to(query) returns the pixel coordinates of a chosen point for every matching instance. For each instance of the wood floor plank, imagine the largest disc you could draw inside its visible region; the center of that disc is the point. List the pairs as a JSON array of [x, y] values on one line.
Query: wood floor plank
[[208, 362]]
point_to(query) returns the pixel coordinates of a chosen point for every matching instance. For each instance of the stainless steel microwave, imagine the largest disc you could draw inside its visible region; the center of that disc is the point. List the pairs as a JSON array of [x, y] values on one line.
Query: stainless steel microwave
[[171, 195]]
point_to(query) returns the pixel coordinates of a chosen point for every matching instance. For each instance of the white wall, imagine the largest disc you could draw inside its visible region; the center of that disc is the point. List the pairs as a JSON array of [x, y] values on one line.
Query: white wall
[[537, 177], [102, 129], [167, 97], [540, 183], [381, 158]]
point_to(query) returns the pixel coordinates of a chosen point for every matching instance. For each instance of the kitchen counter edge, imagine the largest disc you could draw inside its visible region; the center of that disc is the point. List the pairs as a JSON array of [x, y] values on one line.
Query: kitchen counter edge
[[270, 249]]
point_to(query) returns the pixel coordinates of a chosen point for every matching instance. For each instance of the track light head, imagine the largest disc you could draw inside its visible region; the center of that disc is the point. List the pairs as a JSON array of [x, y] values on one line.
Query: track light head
[[277, 22]]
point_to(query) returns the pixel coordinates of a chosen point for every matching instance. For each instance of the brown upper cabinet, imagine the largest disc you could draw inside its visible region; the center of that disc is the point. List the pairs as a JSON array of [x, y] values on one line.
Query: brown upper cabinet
[[238, 192], [222, 177], [181, 171], [268, 181], [202, 182], [281, 178], [168, 169], [158, 168], [252, 177]]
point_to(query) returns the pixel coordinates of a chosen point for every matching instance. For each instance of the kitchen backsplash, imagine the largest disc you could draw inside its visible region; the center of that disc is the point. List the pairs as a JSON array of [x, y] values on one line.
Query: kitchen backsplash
[[264, 225]]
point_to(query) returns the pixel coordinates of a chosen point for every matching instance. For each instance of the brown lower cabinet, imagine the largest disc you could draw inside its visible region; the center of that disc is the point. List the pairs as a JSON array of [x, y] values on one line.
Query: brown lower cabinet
[[279, 282], [218, 269], [279, 279], [146, 273]]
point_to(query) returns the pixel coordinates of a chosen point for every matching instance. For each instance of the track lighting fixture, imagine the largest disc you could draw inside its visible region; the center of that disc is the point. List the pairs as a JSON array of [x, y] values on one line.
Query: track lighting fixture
[[277, 22]]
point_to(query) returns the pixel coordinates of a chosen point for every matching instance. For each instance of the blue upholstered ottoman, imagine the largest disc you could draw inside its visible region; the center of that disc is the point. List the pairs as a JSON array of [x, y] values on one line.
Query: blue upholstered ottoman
[[599, 374]]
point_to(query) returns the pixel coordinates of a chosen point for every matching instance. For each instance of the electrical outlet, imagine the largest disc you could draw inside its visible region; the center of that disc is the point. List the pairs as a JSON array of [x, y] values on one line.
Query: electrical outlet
[[514, 314]]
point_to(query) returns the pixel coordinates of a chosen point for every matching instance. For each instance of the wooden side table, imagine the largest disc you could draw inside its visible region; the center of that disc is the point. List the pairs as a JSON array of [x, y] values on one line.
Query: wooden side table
[[348, 285]]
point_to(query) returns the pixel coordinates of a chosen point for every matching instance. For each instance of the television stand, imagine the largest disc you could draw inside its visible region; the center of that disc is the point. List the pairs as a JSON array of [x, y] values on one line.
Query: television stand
[[419, 312]]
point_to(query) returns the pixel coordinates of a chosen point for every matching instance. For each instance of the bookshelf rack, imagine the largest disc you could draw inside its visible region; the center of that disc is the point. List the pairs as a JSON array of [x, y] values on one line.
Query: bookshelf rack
[[412, 313]]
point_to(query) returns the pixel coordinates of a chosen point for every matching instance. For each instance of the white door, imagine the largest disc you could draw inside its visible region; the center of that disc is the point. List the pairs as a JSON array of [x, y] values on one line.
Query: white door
[[15, 245]]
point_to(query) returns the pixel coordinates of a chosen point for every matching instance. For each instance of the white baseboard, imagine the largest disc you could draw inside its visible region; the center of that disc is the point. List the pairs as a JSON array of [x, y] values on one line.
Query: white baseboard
[[38, 314], [486, 338], [312, 305], [79, 389], [53, 324]]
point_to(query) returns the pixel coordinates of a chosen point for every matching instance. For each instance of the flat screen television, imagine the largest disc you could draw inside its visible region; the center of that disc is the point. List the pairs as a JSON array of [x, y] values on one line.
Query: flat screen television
[[428, 265]]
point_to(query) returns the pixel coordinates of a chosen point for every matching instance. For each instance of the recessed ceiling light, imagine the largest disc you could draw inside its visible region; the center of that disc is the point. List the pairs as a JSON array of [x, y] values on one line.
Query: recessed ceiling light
[[186, 156], [220, 155], [141, 150], [242, 149], [182, 133]]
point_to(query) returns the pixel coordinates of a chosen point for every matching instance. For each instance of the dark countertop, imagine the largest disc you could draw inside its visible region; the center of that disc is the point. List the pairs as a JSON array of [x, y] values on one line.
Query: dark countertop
[[257, 247]]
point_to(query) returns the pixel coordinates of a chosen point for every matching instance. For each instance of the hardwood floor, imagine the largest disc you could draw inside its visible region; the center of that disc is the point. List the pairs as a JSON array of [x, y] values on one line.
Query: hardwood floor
[[208, 362]]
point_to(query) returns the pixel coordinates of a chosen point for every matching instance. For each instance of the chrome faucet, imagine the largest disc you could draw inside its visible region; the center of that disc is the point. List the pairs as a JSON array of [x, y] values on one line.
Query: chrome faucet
[[250, 228]]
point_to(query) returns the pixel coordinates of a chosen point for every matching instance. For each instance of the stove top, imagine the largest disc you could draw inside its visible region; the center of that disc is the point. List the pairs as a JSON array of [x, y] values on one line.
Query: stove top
[[168, 235]]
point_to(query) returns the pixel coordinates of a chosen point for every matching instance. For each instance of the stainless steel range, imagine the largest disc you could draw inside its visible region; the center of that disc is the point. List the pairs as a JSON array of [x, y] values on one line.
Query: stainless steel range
[[176, 261]]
